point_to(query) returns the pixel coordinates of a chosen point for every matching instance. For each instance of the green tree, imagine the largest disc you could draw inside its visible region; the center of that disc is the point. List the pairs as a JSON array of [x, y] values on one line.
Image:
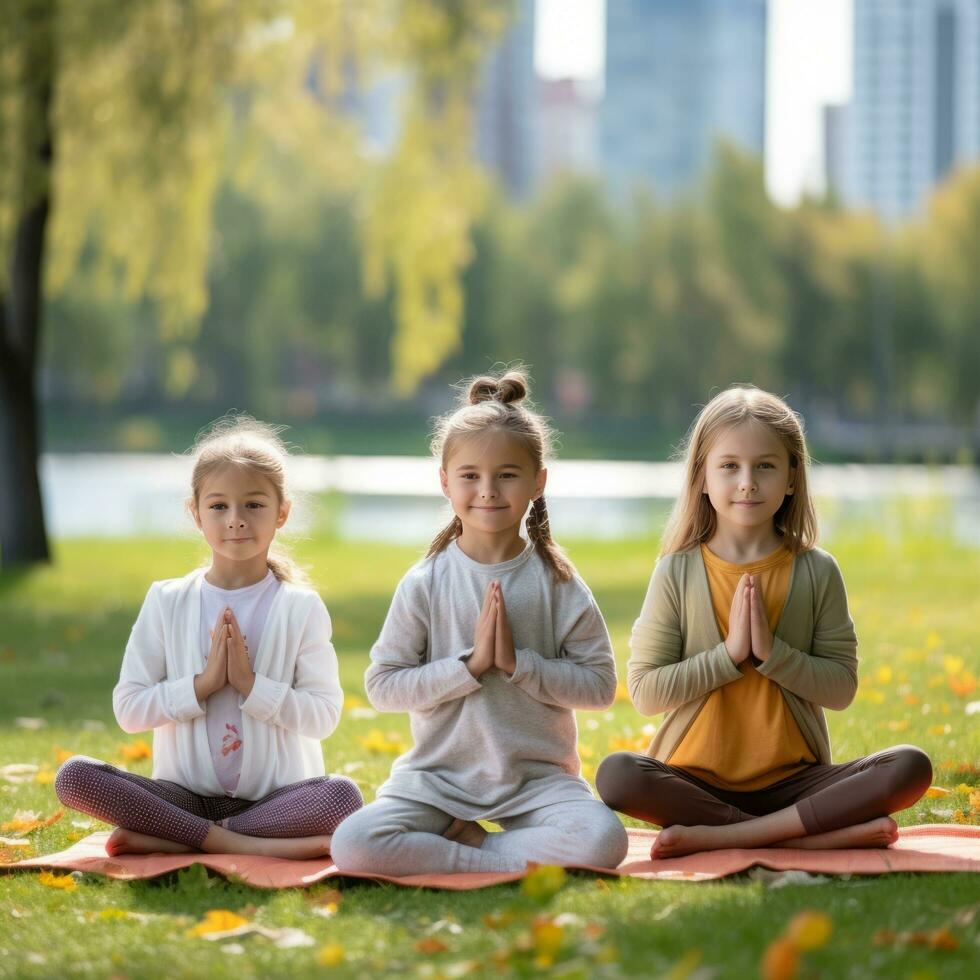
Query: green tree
[[116, 122], [949, 252]]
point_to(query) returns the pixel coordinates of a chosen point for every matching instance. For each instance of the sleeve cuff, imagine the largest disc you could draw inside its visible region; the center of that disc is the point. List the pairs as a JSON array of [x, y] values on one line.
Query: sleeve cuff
[[780, 653], [265, 699], [726, 668], [182, 703], [467, 682], [523, 670]]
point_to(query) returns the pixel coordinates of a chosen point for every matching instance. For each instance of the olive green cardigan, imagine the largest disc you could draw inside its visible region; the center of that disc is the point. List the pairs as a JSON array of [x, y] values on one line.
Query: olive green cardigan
[[678, 656]]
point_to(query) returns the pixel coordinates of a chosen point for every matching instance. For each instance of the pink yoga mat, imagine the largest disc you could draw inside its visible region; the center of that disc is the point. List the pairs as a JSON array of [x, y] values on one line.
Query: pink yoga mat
[[930, 847]]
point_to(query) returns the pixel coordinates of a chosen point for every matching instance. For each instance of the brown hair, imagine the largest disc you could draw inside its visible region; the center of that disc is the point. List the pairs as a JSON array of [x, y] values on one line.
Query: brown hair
[[693, 520], [240, 440], [494, 403]]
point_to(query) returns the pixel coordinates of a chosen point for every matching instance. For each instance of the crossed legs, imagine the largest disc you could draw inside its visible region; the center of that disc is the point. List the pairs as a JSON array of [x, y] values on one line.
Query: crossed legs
[[155, 815], [823, 806]]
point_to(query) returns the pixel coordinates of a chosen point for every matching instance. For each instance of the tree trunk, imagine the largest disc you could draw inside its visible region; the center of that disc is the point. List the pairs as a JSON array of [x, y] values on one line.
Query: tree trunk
[[23, 538]]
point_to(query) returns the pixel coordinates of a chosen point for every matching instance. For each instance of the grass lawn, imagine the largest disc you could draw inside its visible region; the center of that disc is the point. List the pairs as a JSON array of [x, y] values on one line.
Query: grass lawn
[[62, 632]]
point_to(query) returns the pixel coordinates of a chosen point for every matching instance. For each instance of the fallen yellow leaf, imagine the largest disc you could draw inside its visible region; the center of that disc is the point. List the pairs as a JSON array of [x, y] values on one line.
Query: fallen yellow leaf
[[936, 792], [64, 882], [547, 937], [25, 821], [780, 960], [875, 697], [809, 930], [217, 920], [135, 751], [543, 881], [330, 955], [637, 743], [386, 743], [431, 945], [963, 685]]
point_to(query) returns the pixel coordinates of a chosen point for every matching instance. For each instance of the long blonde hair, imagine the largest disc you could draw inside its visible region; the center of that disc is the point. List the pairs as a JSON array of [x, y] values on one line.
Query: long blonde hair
[[494, 403], [692, 520], [240, 440]]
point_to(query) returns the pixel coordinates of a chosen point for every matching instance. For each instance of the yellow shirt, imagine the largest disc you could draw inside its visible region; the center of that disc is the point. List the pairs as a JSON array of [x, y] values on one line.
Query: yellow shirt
[[745, 737]]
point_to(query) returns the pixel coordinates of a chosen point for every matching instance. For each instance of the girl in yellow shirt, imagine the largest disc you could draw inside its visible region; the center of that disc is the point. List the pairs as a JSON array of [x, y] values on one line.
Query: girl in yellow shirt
[[743, 639]]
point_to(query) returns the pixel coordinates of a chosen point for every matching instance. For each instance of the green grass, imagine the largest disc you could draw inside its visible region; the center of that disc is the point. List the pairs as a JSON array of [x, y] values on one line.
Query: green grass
[[62, 631]]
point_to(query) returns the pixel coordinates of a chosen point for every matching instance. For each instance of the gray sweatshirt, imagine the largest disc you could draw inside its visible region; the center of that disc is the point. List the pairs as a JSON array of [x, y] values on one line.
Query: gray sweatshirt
[[500, 745]]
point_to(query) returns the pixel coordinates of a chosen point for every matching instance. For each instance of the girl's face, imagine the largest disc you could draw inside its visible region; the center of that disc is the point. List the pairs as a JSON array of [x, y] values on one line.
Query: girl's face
[[239, 512], [747, 475], [490, 480]]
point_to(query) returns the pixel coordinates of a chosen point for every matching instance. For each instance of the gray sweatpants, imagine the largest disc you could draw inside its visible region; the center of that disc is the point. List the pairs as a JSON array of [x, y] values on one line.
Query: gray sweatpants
[[403, 837]]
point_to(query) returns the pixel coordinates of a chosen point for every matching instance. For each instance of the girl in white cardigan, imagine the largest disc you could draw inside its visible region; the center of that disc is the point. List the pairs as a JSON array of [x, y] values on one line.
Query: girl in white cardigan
[[233, 668]]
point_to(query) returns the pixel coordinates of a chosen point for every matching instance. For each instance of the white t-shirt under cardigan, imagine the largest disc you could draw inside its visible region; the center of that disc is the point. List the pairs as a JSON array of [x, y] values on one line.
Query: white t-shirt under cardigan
[[226, 734], [501, 745], [295, 702]]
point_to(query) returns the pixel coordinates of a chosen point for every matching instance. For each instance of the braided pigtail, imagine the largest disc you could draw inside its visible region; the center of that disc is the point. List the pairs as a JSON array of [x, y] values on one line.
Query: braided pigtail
[[445, 537], [539, 531]]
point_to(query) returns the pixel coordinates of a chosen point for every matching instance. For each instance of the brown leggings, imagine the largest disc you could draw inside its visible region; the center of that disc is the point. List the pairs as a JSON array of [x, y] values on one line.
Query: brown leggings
[[826, 797]]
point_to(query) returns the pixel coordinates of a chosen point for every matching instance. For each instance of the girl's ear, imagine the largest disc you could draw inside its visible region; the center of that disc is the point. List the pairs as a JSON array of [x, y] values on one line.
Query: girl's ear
[[539, 483], [444, 481], [192, 507], [284, 508]]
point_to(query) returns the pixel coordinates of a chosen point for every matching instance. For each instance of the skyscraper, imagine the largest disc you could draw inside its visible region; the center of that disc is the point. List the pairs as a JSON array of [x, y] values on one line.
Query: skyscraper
[[915, 113], [506, 104], [680, 74]]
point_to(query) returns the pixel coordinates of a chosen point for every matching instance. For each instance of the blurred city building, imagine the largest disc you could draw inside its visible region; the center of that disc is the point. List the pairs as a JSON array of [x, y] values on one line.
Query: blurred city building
[[567, 128], [680, 74], [915, 113], [836, 119], [506, 105]]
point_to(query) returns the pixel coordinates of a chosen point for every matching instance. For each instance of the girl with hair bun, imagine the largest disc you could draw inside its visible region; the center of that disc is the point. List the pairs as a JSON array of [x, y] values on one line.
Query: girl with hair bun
[[233, 668], [492, 641]]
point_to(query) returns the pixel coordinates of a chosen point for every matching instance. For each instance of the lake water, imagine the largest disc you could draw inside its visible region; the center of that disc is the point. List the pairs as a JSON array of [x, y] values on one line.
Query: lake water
[[396, 498]]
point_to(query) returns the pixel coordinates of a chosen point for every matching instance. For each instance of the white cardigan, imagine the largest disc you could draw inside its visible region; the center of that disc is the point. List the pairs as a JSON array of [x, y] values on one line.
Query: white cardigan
[[295, 702]]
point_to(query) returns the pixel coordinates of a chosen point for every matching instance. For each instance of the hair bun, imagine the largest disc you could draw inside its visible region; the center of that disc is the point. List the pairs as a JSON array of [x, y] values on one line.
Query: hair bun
[[509, 389]]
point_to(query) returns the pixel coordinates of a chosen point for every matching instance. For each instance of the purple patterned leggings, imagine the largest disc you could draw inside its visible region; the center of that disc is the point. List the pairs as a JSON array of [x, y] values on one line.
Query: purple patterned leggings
[[163, 809]]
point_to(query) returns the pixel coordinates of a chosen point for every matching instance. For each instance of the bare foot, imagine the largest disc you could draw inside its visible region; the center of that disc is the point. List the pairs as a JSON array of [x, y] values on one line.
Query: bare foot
[[298, 848], [677, 840], [875, 833], [222, 841], [467, 832], [122, 841]]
